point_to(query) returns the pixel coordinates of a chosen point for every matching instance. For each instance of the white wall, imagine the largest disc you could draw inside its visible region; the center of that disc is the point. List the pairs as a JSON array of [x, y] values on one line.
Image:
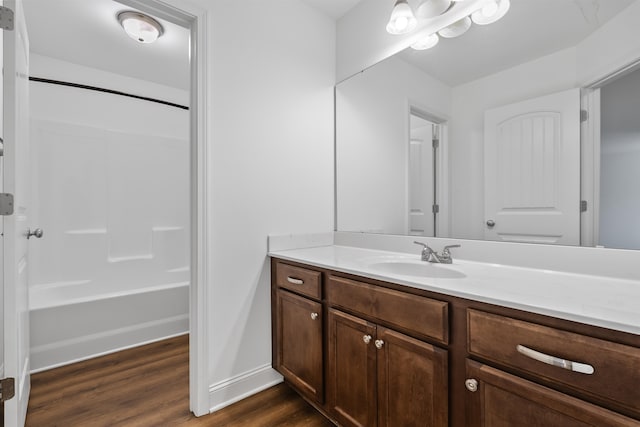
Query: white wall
[[620, 163], [373, 117], [271, 157]]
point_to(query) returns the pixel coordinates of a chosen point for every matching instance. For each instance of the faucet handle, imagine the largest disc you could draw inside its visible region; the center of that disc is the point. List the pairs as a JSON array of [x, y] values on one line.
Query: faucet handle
[[420, 243], [446, 248], [446, 254]]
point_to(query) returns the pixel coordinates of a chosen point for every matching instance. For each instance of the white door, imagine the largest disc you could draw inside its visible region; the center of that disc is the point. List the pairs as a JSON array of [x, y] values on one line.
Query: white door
[[532, 170], [16, 181], [421, 178]]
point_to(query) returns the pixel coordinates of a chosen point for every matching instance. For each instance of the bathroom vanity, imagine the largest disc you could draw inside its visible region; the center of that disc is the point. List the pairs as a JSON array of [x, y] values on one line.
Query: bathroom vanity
[[369, 345]]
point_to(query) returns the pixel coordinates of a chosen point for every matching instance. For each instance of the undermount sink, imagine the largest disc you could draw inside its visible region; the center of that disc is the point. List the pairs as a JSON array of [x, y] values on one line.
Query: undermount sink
[[417, 269]]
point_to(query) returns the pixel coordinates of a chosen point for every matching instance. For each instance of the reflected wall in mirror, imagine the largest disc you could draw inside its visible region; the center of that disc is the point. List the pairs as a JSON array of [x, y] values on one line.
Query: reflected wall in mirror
[[514, 160]]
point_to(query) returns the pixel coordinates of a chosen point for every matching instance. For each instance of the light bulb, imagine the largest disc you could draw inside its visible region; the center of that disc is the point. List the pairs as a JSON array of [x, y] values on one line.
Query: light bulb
[[490, 9], [456, 29], [432, 8], [402, 19], [491, 12]]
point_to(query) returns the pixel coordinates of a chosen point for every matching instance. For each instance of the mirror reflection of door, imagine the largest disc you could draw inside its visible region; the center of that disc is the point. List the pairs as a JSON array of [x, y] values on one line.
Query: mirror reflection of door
[[422, 176], [532, 170]]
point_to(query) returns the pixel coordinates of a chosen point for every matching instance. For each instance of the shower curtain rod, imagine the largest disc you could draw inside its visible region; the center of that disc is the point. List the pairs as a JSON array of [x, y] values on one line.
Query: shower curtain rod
[[113, 92]]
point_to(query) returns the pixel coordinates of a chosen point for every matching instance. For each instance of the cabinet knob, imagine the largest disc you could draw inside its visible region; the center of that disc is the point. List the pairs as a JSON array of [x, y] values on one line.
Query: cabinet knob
[[379, 344], [471, 385], [314, 316], [366, 339]]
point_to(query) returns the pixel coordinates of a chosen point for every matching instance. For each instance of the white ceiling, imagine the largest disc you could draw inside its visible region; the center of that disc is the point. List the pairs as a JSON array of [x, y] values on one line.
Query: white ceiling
[[531, 29], [86, 32], [334, 8]]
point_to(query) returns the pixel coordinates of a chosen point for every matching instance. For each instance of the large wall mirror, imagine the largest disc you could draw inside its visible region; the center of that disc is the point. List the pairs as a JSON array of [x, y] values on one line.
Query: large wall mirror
[[526, 130]]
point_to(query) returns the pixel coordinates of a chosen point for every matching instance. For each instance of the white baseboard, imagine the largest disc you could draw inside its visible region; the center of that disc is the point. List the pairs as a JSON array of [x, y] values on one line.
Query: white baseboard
[[241, 386]]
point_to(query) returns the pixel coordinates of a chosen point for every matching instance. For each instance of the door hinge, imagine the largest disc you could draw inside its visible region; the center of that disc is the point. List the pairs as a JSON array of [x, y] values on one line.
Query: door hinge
[[584, 116], [6, 204], [7, 389], [436, 143], [583, 205], [435, 209], [6, 18]]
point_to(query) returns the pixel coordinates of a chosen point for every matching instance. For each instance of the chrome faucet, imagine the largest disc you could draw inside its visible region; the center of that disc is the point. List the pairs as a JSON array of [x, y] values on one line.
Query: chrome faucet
[[429, 255]]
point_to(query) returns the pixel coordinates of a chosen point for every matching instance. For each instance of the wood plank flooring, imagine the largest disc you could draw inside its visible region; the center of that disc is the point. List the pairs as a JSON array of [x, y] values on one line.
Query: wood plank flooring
[[149, 386]]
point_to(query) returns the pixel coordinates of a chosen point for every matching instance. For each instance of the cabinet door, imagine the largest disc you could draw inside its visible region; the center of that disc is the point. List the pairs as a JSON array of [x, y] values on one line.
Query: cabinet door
[[504, 400], [412, 382], [351, 364], [299, 342]]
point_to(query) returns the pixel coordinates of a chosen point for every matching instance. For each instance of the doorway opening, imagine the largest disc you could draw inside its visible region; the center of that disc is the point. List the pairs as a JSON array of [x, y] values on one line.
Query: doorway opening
[[610, 154], [427, 181], [194, 19]]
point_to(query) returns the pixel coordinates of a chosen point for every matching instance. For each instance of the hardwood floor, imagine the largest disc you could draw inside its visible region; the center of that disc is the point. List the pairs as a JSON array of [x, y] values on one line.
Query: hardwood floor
[[148, 386]]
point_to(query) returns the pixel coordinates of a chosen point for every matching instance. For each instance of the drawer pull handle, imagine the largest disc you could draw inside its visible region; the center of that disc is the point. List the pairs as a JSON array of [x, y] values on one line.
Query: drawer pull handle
[[379, 344], [569, 365], [366, 339], [295, 281], [314, 316]]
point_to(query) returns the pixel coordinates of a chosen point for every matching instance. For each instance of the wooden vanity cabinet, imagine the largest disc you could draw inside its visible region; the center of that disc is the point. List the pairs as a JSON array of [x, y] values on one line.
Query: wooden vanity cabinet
[[380, 377], [574, 366], [375, 354], [298, 348], [498, 399], [377, 376]]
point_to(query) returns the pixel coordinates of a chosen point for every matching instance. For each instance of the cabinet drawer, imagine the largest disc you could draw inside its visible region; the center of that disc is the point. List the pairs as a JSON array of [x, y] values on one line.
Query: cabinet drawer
[[299, 280], [606, 372], [406, 312]]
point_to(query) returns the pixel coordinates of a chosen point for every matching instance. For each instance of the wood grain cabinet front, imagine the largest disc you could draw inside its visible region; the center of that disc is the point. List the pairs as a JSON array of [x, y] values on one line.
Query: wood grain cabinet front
[[595, 369], [299, 344], [367, 353], [498, 399], [380, 377]]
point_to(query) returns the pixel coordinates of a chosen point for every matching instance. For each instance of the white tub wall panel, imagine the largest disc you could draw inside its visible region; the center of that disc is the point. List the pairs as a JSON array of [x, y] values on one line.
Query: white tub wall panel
[[129, 220], [71, 332], [171, 249]]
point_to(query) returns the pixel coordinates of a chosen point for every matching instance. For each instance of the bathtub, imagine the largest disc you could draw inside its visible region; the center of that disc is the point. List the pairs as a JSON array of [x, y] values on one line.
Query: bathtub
[[78, 320]]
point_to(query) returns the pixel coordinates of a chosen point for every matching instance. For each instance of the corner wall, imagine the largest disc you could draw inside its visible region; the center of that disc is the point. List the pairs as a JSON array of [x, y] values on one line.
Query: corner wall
[[271, 158]]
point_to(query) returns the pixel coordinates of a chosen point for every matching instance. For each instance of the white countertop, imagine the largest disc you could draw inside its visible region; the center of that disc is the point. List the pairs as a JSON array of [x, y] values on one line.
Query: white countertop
[[607, 302]]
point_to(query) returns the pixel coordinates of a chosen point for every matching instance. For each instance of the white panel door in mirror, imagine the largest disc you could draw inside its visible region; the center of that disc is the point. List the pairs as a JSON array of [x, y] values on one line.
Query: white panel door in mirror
[[532, 170]]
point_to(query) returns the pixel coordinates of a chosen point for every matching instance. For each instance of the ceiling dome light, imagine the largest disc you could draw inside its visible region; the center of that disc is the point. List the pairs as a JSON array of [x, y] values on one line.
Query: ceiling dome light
[[140, 27], [402, 18], [432, 8], [491, 12], [456, 29], [426, 42]]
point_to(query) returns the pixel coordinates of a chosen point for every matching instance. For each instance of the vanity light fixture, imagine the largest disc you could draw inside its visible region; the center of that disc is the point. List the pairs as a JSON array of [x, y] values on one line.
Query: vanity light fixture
[[402, 19], [456, 29], [491, 12], [432, 8], [426, 42], [140, 27]]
